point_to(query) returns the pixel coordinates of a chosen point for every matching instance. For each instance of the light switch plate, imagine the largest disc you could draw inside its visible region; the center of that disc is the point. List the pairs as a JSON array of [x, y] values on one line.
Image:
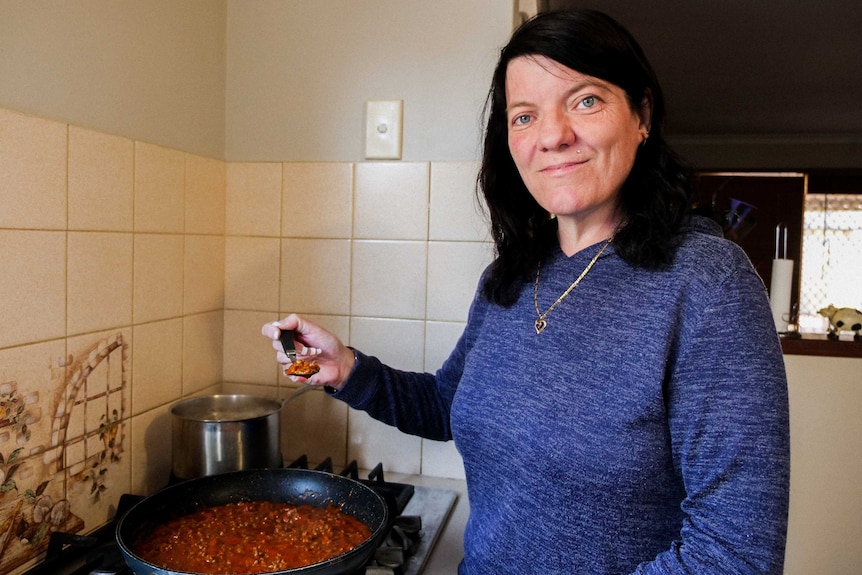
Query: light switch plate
[[383, 125]]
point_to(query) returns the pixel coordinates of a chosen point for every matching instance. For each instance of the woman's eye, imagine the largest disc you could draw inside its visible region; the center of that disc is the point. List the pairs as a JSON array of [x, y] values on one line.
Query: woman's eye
[[521, 119], [587, 102]]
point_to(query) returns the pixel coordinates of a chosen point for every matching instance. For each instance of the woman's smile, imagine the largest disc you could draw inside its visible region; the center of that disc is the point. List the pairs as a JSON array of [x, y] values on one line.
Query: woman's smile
[[562, 168]]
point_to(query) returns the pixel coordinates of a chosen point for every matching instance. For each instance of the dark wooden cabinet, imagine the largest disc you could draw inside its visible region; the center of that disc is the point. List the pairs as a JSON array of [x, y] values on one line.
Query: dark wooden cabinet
[[752, 208]]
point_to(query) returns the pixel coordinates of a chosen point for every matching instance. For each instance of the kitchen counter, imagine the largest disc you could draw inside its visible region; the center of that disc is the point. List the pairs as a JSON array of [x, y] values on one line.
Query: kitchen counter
[[449, 549]]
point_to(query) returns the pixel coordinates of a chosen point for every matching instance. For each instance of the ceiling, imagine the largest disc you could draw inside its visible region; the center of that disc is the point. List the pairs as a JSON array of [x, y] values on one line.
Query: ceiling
[[772, 67]]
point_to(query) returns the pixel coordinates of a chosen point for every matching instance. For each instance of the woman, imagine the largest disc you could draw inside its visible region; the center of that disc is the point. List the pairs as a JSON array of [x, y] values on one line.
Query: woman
[[618, 395]]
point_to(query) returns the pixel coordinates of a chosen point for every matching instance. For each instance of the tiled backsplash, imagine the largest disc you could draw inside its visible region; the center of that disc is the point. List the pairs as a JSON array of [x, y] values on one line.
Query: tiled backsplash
[[134, 275], [384, 254], [111, 309]]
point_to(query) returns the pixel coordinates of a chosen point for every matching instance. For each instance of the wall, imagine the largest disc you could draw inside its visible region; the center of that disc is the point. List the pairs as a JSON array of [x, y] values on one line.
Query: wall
[[391, 269], [136, 275], [111, 299], [826, 467], [150, 71], [381, 263], [299, 73]]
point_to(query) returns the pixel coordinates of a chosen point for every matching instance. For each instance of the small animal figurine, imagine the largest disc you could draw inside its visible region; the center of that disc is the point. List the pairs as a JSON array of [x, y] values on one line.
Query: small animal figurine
[[843, 319]]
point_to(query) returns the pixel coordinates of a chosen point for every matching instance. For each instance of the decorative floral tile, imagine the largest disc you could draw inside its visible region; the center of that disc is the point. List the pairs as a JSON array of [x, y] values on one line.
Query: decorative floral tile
[[62, 435]]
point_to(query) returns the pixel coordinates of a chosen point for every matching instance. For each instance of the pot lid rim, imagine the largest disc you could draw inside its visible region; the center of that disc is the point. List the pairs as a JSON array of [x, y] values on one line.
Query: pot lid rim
[[225, 407]]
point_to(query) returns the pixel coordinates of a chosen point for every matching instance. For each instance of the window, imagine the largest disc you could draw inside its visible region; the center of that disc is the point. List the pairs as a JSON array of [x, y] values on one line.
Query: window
[[831, 248]]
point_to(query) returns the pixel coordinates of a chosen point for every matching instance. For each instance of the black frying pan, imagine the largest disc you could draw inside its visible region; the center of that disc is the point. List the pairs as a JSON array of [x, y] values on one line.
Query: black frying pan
[[295, 486]]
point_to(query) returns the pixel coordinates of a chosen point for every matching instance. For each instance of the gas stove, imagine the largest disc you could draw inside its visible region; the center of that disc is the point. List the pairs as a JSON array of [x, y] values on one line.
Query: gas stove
[[418, 515]]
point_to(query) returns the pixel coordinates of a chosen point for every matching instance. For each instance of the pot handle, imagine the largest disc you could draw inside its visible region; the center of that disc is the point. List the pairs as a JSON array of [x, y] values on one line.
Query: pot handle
[[302, 390]]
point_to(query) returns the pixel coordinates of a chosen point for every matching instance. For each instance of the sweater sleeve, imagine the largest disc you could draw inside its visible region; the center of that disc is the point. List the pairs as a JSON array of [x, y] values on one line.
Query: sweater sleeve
[[410, 401], [728, 415], [415, 403]]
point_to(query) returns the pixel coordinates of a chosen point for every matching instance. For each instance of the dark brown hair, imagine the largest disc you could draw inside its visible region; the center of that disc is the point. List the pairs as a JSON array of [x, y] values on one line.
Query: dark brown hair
[[655, 197]]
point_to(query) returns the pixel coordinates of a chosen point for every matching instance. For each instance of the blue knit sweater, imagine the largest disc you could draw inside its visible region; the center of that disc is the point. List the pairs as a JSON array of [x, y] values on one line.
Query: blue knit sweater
[[644, 431]]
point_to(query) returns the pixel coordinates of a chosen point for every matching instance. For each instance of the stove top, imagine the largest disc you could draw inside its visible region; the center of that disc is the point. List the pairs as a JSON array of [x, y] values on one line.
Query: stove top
[[418, 517], [434, 507]]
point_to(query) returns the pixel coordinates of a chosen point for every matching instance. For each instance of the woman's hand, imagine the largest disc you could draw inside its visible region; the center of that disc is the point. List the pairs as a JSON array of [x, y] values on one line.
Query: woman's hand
[[313, 343]]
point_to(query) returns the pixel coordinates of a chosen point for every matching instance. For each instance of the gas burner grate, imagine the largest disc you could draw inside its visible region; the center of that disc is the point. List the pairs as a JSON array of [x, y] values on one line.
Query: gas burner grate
[[396, 495]]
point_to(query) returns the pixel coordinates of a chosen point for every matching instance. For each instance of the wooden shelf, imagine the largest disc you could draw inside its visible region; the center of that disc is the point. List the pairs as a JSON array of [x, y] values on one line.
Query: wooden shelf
[[819, 344]]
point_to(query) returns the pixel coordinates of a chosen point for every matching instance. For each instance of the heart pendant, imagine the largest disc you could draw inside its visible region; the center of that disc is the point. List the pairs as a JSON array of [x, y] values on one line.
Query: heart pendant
[[540, 325]]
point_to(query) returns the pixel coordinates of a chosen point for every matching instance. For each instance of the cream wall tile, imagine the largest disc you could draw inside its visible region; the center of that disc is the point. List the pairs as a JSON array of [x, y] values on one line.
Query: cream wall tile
[[371, 442], [99, 282], [253, 201], [389, 279], [151, 450], [99, 367], [158, 280], [441, 459], [206, 184], [323, 283], [32, 297], [267, 391], [209, 390], [391, 201], [114, 476], [203, 340], [159, 189], [30, 378], [440, 340], [454, 269], [337, 324], [75, 428], [399, 343], [101, 181], [251, 273], [248, 356], [315, 425], [157, 356], [30, 471], [204, 274], [32, 172], [456, 211], [318, 200], [97, 393]]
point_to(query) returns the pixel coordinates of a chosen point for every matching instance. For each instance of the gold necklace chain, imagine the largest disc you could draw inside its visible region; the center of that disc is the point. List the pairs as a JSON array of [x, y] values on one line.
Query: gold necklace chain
[[542, 322]]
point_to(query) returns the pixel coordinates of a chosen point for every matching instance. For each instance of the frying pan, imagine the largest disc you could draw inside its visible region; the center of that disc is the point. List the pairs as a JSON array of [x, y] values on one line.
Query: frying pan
[[294, 486]]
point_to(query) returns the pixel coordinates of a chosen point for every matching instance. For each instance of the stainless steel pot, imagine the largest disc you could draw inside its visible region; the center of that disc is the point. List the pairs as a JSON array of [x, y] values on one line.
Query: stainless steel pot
[[215, 434]]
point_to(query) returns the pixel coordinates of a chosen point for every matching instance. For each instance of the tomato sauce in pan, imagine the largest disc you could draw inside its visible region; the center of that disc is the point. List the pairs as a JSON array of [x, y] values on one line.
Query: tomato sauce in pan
[[251, 537]]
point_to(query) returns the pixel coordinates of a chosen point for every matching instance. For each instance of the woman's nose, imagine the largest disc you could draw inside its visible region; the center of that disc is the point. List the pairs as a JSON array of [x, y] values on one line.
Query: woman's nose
[[556, 132]]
